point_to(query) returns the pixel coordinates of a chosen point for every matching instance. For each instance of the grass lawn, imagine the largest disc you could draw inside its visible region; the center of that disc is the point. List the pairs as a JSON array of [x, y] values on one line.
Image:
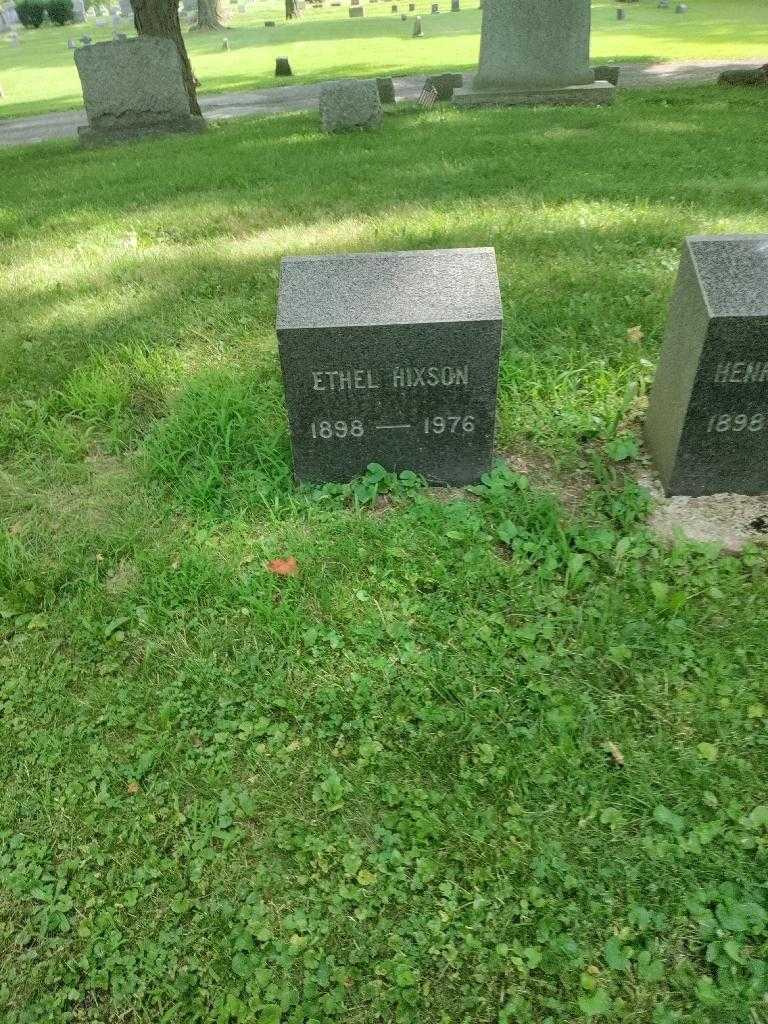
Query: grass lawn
[[377, 790], [40, 75]]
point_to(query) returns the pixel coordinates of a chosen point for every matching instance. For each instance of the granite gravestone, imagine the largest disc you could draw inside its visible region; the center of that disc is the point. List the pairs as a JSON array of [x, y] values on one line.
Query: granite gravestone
[[707, 423], [535, 52], [350, 103], [131, 89], [391, 357]]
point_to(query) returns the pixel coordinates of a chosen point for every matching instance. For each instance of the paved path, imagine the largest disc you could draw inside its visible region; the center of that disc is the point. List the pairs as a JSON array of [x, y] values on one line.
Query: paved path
[[262, 102]]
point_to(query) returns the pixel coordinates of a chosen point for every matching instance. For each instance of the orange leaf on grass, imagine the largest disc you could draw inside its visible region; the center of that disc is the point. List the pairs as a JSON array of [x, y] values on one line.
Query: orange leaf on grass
[[283, 566]]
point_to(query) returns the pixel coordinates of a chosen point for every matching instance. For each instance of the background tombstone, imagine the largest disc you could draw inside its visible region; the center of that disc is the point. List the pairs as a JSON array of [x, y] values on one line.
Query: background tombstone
[[455, 6], [418, 28], [535, 52], [283, 67], [446, 84], [357, 12], [391, 357], [607, 73], [133, 88], [386, 89], [350, 103], [78, 11], [125, 9], [707, 422]]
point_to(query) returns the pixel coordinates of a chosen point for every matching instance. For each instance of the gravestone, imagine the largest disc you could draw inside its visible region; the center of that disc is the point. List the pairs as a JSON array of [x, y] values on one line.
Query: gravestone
[[707, 422], [283, 68], [386, 88], [394, 8], [127, 11], [435, 8], [681, 9], [10, 15], [78, 11], [350, 103], [445, 85], [607, 73], [14, 40], [664, 4], [71, 44], [357, 12], [418, 29], [535, 52], [101, 23], [455, 6], [132, 89], [86, 40], [269, 24], [411, 7], [391, 357], [120, 37]]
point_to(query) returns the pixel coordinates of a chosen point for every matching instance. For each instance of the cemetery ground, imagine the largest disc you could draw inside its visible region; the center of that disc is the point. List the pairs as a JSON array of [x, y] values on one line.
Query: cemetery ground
[[481, 756], [39, 76]]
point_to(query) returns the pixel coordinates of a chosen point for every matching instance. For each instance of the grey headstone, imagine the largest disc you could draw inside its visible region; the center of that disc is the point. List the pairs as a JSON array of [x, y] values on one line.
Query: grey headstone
[[125, 9], [435, 8], [391, 357], [78, 11], [10, 15], [133, 88], [455, 6], [445, 85], [71, 44], [681, 9], [225, 43], [535, 52], [350, 103], [394, 8], [283, 68], [386, 88], [621, 14], [663, 4], [269, 24], [13, 38], [707, 423], [411, 7], [418, 28], [607, 73], [356, 12], [86, 40]]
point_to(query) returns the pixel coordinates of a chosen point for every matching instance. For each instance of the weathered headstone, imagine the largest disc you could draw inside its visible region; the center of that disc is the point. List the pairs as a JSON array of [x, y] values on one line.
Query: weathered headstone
[[435, 8], [394, 8], [350, 103], [535, 52], [269, 24], [755, 77], [707, 423], [71, 44], [86, 40], [225, 43], [455, 6], [283, 68], [681, 9], [10, 14], [607, 73], [446, 84], [126, 10], [133, 88], [78, 11], [391, 357], [418, 28], [386, 88], [357, 12]]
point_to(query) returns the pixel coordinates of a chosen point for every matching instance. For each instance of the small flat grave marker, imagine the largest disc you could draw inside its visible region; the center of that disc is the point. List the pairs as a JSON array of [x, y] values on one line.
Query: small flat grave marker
[[391, 357], [707, 423]]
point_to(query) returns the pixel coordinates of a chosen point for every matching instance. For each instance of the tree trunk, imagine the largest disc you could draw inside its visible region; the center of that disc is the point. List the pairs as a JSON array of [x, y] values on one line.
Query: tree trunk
[[161, 18], [291, 9], [208, 18]]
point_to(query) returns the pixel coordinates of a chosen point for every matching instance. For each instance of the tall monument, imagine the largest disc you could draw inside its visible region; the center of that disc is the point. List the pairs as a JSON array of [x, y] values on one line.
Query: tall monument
[[535, 52]]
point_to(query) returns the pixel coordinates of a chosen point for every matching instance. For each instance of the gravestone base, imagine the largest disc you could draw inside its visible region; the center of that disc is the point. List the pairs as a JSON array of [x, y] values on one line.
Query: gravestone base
[[91, 138], [593, 94]]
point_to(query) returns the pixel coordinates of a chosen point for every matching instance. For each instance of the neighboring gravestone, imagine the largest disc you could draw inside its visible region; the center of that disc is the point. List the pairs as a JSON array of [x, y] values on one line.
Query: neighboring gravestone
[[283, 68], [707, 422], [133, 88], [86, 40], [445, 85], [745, 76], [418, 29], [535, 52], [351, 103], [621, 14], [386, 89], [455, 6], [357, 12], [71, 44], [126, 10], [681, 9], [607, 73], [391, 357], [10, 15], [78, 11]]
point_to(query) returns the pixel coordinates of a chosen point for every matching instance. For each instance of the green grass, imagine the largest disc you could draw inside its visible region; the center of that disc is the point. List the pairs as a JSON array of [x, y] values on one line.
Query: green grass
[[40, 75], [377, 790]]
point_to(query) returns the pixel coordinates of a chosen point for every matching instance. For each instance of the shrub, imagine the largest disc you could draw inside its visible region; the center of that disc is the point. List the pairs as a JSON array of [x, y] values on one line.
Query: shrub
[[31, 13], [61, 12]]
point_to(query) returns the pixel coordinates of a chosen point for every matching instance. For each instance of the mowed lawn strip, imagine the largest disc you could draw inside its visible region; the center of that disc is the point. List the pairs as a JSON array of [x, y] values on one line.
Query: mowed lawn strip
[[380, 788]]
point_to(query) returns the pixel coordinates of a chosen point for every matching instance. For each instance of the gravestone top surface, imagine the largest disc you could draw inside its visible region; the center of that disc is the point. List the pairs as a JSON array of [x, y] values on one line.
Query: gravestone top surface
[[733, 271], [371, 289], [391, 358]]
